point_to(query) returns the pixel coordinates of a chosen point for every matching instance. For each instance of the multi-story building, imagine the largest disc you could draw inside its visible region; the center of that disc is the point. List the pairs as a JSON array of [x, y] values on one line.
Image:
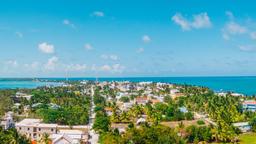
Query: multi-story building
[[35, 129]]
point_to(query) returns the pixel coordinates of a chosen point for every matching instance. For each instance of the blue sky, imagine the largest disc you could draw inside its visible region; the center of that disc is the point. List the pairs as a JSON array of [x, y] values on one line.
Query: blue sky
[[113, 38]]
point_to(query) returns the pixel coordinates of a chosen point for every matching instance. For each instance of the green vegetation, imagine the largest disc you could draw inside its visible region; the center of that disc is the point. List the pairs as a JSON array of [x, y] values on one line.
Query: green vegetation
[[6, 102], [249, 138], [12, 137], [61, 105], [143, 135]]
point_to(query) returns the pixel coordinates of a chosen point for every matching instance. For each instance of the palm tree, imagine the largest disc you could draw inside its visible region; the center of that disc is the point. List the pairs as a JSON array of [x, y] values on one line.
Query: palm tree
[[45, 139]]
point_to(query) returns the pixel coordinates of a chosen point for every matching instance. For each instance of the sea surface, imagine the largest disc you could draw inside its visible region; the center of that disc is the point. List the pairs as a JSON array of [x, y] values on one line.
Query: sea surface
[[24, 83], [239, 84]]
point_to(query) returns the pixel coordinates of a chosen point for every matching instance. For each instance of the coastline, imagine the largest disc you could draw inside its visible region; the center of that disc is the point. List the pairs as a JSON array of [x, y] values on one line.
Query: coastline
[[239, 84]]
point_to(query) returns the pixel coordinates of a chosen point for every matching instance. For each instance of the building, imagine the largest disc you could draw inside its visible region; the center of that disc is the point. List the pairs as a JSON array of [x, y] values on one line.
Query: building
[[35, 129], [108, 110], [243, 126], [141, 100], [7, 121], [249, 105]]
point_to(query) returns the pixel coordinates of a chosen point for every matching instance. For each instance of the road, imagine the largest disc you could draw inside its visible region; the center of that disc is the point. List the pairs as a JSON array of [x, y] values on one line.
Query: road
[[94, 137]]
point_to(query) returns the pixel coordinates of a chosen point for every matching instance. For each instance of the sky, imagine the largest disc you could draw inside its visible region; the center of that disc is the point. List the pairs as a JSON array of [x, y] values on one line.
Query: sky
[[127, 38]]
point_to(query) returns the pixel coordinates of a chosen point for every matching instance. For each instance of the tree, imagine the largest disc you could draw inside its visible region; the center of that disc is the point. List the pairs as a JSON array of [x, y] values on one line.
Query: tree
[[45, 139], [253, 124], [101, 123]]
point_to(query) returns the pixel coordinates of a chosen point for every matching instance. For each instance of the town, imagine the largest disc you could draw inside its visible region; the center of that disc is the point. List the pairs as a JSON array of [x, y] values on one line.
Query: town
[[125, 112]]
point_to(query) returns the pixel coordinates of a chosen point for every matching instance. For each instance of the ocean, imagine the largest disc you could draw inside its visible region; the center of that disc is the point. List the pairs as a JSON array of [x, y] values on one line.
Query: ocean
[[240, 84]]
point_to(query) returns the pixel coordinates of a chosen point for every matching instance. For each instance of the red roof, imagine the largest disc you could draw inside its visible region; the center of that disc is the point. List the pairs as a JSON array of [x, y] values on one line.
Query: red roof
[[250, 102]]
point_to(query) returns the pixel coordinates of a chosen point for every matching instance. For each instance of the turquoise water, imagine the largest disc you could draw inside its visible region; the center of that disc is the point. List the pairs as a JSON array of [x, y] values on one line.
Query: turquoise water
[[13, 84], [240, 84], [245, 85]]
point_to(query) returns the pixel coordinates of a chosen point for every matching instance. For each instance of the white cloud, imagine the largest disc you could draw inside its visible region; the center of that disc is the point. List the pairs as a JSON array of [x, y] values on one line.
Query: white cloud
[[115, 68], [118, 68], [232, 28], [19, 34], [69, 23], [247, 48], [33, 65], [12, 63], [253, 35], [146, 39], [51, 63], [199, 21], [106, 68], [181, 21], [46, 48], [140, 50], [88, 46], [76, 67], [111, 57], [98, 14], [230, 15]]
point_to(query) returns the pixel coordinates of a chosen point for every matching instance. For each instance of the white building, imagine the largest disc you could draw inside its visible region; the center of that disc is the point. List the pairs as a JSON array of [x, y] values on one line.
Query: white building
[[34, 129]]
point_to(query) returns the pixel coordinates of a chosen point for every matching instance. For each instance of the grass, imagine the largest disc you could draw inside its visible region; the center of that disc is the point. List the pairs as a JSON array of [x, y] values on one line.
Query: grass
[[249, 138]]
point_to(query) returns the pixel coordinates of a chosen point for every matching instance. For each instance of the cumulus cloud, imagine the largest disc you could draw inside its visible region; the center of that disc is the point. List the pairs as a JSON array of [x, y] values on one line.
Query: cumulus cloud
[[19, 34], [68, 23], [33, 65], [230, 15], [233, 28], [88, 46], [247, 48], [12, 63], [253, 35], [109, 57], [46, 48], [199, 21], [115, 68], [98, 14], [76, 67], [140, 50], [106, 68], [146, 39], [51, 63]]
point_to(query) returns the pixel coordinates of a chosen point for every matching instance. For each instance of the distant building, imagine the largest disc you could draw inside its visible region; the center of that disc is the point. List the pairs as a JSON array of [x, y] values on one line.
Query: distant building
[[108, 110], [141, 100], [249, 105], [7, 121], [243, 126], [35, 129]]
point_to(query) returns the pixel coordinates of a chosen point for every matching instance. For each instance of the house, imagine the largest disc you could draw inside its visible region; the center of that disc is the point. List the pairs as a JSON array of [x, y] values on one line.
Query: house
[[34, 129], [68, 137], [141, 100], [243, 126], [249, 105], [120, 126], [108, 110], [7, 121], [61, 139], [155, 101], [23, 95], [126, 106], [183, 109]]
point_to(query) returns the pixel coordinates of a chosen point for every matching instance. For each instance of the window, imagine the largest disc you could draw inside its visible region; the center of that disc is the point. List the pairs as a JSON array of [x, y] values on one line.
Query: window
[[20, 128], [52, 129], [39, 129], [28, 129]]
